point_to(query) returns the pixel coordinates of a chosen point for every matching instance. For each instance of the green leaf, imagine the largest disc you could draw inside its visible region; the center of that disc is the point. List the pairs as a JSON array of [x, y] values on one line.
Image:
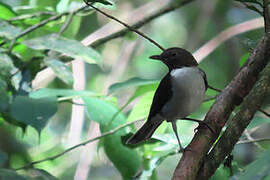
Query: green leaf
[[6, 11], [62, 6], [133, 82], [33, 112], [8, 30], [141, 109], [8, 118], [257, 170], [257, 121], [6, 66], [126, 160], [254, 8], [101, 111], [75, 25], [70, 47], [40, 174], [47, 92], [3, 158], [222, 173], [105, 2], [6, 174], [61, 70], [4, 98], [152, 164], [143, 86], [250, 1], [243, 59], [143, 90]]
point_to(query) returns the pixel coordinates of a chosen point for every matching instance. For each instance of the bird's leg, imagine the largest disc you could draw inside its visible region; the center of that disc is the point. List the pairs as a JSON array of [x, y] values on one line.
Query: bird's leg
[[213, 88], [200, 122], [176, 134]]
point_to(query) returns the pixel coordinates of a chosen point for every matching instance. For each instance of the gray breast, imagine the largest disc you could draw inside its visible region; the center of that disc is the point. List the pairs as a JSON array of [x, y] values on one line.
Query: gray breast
[[188, 93]]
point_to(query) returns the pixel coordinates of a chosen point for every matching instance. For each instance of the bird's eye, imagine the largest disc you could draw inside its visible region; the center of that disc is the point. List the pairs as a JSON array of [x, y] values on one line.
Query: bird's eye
[[174, 54]]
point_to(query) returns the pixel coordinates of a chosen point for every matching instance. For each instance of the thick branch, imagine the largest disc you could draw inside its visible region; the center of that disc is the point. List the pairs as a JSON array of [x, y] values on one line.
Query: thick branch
[[219, 113], [237, 126], [266, 15]]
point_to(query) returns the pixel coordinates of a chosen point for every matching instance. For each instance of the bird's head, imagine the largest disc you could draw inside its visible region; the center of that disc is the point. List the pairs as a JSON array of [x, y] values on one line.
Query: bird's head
[[176, 58]]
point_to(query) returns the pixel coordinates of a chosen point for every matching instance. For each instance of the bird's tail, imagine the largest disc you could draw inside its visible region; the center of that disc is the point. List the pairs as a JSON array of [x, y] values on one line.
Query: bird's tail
[[144, 133]]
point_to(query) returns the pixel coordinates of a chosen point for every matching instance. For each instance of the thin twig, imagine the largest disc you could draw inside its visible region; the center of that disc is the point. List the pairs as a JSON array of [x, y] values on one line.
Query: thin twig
[[42, 23], [264, 112], [168, 8], [78, 145], [215, 89], [29, 16], [253, 140], [248, 6], [126, 25], [67, 23]]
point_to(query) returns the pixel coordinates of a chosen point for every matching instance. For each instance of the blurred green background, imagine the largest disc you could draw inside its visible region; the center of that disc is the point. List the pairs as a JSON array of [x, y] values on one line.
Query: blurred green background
[[124, 60]]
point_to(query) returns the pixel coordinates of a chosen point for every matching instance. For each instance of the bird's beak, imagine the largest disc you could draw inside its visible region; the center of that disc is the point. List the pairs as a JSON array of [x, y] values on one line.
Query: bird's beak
[[156, 57]]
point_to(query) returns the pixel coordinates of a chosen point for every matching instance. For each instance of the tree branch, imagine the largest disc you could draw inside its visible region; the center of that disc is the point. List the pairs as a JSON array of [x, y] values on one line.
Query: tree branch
[[166, 9], [237, 126], [29, 16], [29, 165], [220, 111], [264, 112], [67, 23], [42, 23], [126, 25], [253, 140], [47, 74], [266, 16]]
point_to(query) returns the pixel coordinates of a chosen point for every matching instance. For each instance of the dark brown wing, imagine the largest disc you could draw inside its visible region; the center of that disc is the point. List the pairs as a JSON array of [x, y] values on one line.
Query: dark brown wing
[[204, 78], [162, 95]]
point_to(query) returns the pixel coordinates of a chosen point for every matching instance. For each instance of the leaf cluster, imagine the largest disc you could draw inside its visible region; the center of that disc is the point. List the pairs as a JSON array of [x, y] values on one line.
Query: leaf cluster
[[25, 52]]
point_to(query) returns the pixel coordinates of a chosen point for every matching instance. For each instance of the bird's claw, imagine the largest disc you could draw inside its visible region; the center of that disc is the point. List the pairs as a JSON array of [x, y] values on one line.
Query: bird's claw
[[205, 125], [182, 150]]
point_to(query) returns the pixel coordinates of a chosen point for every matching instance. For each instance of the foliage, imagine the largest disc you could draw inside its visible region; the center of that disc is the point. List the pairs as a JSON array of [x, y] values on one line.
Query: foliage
[[36, 35], [258, 169]]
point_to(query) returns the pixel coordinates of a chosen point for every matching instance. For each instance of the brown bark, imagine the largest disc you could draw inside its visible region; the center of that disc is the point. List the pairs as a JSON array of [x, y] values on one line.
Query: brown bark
[[217, 116], [237, 126]]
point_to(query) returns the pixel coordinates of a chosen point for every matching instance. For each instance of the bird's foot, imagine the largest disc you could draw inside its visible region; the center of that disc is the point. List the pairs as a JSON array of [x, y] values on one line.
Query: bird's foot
[[182, 150], [200, 123], [204, 124]]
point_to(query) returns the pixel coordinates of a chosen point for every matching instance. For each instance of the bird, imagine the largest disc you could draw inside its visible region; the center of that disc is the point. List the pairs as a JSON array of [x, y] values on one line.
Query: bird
[[180, 93]]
